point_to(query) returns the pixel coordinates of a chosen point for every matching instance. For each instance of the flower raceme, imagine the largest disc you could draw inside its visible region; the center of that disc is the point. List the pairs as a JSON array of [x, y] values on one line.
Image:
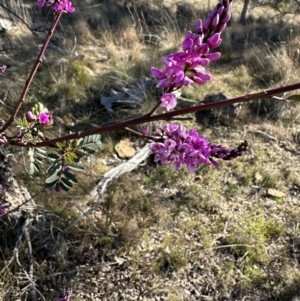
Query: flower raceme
[[172, 144], [187, 66], [58, 5]]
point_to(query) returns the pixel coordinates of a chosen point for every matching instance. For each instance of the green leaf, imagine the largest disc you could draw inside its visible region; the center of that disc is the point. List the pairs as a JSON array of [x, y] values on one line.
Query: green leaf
[[76, 167], [294, 97], [41, 150], [50, 185], [32, 168], [63, 186], [40, 107], [59, 145], [66, 182], [54, 168], [37, 167], [39, 161], [53, 156], [70, 158], [54, 177], [30, 152], [41, 155], [70, 177]]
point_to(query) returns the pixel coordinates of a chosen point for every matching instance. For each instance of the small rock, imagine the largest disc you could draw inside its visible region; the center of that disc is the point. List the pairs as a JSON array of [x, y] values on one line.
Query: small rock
[[225, 114], [276, 193], [124, 149]]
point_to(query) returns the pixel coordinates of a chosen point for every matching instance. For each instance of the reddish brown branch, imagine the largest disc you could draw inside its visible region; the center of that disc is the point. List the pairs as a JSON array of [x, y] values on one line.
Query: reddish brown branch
[[165, 116], [32, 73]]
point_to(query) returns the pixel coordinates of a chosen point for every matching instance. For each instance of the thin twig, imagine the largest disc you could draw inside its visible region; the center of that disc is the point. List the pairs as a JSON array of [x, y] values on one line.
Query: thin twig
[[30, 273], [19, 206], [33, 72], [164, 116]]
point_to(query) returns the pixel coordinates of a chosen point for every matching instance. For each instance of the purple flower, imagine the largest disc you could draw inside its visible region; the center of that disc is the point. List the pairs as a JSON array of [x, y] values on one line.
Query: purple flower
[[58, 5], [145, 130], [214, 41], [3, 207], [168, 101], [3, 139], [66, 297], [2, 69], [44, 118], [173, 145]]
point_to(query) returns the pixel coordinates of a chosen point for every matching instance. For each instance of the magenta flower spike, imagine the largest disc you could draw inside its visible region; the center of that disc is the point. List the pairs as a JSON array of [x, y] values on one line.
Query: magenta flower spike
[[196, 47], [171, 144]]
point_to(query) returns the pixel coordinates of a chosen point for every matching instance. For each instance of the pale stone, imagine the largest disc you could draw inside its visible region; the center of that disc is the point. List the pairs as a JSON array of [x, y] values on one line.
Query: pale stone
[[124, 149]]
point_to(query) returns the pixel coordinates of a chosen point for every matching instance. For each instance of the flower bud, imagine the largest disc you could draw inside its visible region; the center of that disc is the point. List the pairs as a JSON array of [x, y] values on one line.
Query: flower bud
[[226, 18], [203, 49], [220, 10], [145, 130], [213, 13], [30, 116], [199, 28], [187, 44], [206, 25], [221, 27], [215, 22], [213, 56], [227, 8], [214, 41]]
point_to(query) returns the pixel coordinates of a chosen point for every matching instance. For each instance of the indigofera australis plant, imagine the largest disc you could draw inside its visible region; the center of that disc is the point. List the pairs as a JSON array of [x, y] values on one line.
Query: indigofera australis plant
[[170, 143]]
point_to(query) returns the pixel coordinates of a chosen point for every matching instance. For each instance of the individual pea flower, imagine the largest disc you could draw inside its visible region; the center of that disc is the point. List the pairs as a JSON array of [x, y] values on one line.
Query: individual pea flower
[[214, 41], [2, 69], [3, 139], [145, 130], [3, 207], [58, 5], [67, 297], [172, 144], [44, 118], [168, 101]]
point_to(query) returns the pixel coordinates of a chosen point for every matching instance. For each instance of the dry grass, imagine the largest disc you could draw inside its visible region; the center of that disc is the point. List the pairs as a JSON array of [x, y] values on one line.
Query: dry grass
[[217, 234]]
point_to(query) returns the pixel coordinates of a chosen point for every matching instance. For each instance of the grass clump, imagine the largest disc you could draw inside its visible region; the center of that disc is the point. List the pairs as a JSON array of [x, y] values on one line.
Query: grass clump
[[252, 236]]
